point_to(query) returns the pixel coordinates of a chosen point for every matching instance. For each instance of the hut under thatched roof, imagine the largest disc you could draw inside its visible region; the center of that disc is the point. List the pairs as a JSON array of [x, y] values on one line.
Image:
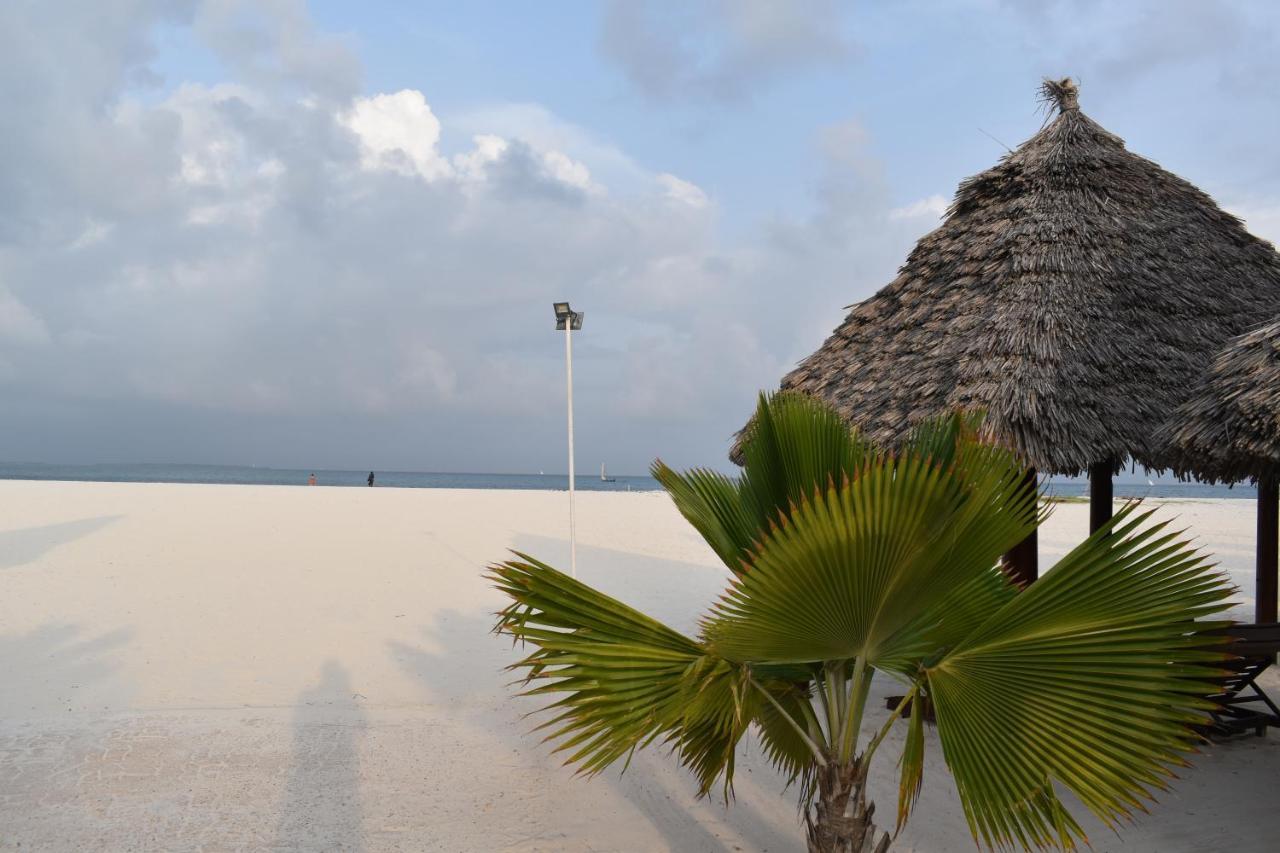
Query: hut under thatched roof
[[1075, 292], [1230, 422]]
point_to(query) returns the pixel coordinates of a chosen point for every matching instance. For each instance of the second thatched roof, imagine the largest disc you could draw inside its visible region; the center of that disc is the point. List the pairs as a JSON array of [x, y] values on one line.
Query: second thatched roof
[[1075, 292], [1231, 422]]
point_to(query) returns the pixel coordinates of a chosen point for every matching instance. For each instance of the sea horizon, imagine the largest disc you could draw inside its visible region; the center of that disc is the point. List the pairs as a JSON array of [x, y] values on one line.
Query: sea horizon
[[255, 475]]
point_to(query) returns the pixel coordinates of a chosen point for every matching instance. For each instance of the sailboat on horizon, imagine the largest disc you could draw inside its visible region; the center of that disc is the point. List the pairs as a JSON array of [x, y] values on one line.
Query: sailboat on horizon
[[605, 478]]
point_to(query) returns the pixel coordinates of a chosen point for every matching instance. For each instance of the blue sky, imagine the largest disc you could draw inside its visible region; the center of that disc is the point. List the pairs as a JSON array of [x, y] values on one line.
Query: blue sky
[[940, 82], [325, 234]]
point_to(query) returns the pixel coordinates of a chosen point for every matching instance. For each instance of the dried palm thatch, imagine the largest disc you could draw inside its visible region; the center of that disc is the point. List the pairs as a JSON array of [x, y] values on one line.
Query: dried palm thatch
[[1075, 292], [1230, 425]]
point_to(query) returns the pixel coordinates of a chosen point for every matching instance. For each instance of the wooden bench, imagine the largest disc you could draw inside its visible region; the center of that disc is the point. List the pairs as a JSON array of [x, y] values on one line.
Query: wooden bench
[[1242, 703]]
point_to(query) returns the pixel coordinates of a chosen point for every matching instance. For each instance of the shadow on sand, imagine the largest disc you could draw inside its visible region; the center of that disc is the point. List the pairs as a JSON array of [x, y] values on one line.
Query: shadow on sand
[[19, 547], [56, 667], [321, 809]]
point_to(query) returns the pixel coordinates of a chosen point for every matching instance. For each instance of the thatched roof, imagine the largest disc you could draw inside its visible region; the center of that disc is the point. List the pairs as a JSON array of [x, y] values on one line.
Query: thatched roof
[[1075, 292], [1231, 422]]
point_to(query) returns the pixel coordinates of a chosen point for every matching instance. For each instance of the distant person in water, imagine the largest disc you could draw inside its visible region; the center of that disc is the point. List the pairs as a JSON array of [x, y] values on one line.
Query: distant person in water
[[311, 481], [371, 479]]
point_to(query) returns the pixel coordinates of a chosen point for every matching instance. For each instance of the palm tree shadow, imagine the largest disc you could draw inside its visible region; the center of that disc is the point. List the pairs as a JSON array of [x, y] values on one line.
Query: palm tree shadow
[[20, 547], [55, 665], [460, 652], [321, 809]]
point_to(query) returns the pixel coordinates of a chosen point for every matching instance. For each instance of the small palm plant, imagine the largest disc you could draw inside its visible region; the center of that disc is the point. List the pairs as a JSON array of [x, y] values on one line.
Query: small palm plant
[[847, 563]]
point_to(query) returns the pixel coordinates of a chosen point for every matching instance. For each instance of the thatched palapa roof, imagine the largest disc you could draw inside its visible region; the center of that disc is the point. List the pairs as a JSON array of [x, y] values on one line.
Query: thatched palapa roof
[[1075, 292], [1231, 421]]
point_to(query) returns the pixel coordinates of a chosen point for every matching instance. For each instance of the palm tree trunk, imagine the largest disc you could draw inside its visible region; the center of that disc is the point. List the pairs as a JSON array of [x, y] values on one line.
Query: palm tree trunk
[[839, 821]]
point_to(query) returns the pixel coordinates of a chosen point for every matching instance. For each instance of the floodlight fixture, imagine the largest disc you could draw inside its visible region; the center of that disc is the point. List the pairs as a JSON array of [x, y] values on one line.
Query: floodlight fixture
[[566, 318]]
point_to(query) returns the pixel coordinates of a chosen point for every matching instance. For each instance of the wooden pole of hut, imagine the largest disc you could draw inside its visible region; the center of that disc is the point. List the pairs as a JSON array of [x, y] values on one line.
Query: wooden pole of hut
[[1268, 542], [1021, 564], [1100, 494]]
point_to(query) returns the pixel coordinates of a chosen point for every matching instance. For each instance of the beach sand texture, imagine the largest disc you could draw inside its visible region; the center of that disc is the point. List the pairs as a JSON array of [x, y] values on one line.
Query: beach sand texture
[[196, 667]]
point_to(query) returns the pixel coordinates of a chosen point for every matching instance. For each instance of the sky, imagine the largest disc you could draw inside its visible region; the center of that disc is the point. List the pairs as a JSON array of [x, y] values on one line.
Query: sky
[[328, 235]]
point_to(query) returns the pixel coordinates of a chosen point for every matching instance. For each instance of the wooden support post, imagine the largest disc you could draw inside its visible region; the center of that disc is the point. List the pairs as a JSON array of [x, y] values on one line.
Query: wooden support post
[[1020, 564], [1268, 536], [1100, 494]]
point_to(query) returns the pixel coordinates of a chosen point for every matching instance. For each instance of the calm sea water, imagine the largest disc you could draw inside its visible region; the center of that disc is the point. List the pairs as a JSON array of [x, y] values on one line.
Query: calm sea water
[[1190, 491], [586, 481], [298, 477]]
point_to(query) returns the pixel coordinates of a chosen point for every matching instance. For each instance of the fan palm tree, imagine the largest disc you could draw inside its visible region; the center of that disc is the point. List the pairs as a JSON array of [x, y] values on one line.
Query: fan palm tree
[[849, 563]]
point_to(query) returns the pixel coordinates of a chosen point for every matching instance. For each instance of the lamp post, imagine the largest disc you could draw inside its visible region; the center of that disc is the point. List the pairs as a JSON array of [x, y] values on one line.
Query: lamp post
[[570, 321]]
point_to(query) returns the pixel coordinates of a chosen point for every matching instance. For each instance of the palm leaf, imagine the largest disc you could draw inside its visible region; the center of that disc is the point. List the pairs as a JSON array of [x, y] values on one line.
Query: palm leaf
[[1091, 678], [959, 582], [713, 504], [795, 447], [626, 679], [783, 745], [880, 567], [941, 438], [912, 763]]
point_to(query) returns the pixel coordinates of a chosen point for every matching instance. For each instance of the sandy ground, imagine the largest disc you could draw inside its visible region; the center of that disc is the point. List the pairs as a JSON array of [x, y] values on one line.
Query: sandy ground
[[191, 667]]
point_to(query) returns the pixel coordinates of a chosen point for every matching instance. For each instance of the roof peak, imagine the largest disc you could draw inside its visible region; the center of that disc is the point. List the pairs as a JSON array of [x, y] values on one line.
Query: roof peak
[[1062, 94]]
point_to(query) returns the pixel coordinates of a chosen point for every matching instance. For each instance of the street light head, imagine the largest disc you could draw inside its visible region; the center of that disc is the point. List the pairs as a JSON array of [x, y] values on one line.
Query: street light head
[[567, 316]]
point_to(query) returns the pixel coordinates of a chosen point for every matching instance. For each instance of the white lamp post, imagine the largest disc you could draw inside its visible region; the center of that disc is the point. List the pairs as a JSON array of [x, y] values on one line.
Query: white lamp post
[[570, 321]]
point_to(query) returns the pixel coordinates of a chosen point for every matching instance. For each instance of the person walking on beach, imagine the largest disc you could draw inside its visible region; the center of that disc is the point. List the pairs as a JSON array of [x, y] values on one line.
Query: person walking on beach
[[311, 481], [371, 479]]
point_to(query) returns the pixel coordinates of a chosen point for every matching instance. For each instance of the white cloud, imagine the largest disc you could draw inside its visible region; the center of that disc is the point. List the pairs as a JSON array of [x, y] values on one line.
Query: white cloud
[[270, 271], [399, 132], [934, 207], [568, 171], [1261, 218], [487, 149], [94, 233], [683, 191], [18, 325]]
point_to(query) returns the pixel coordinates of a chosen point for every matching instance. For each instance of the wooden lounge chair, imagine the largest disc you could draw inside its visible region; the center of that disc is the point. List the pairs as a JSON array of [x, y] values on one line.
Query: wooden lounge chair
[[1243, 704]]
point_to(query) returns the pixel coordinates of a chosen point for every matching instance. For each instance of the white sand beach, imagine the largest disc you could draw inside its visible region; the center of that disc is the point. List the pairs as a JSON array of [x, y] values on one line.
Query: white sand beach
[[196, 667]]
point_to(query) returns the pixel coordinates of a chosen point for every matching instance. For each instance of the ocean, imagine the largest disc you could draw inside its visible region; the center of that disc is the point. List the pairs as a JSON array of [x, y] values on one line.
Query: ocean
[[161, 473], [587, 481]]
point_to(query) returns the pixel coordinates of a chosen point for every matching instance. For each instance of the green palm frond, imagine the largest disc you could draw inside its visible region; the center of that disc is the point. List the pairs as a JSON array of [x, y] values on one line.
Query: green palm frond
[[778, 720], [890, 566], [713, 504], [942, 437], [817, 585], [959, 583], [796, 447], [1090, 678], [627, 679], [912, 770]]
